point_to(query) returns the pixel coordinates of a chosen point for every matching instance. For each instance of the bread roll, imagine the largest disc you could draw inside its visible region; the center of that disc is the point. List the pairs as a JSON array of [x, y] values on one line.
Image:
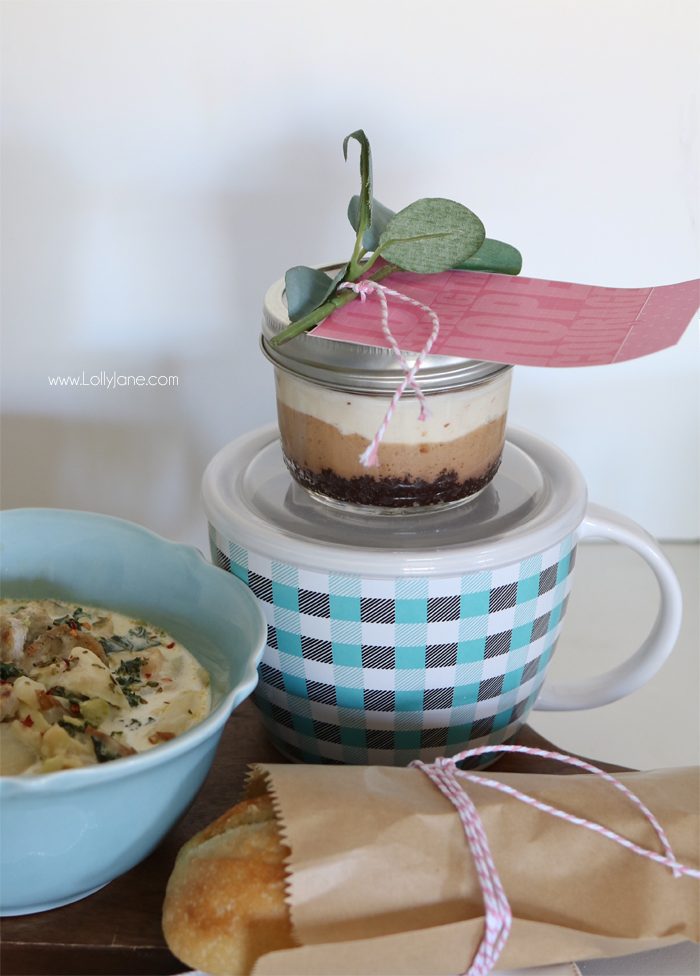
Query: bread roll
[[225, 901]]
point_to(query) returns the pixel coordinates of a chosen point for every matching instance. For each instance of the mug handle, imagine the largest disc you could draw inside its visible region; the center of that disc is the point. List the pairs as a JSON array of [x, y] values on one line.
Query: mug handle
[[602, 523]]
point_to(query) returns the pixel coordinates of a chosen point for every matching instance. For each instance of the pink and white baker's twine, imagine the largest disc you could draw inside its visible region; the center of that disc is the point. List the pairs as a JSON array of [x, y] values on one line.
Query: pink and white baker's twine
[[498, 916], [370, 457]]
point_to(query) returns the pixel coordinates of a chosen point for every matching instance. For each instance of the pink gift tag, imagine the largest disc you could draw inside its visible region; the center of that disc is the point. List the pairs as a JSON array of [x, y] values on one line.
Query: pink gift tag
[[522, 321]]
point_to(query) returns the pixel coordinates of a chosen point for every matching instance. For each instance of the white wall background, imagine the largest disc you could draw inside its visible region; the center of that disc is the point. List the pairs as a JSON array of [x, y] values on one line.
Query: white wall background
[[164, 160]]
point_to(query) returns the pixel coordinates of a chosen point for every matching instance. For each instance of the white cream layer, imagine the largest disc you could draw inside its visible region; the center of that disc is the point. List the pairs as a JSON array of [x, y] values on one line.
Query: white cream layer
[[452, 414]]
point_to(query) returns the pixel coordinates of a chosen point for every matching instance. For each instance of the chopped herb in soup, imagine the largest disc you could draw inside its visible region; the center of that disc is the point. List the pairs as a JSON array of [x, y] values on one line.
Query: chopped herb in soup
[[80, 685]]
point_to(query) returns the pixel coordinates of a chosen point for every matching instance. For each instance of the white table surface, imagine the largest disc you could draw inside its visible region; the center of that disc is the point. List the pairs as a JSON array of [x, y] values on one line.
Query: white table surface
[[678, 960], [612, 607]]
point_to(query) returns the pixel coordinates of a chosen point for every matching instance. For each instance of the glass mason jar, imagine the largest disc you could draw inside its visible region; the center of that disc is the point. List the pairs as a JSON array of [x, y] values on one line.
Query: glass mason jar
[[332, 398]]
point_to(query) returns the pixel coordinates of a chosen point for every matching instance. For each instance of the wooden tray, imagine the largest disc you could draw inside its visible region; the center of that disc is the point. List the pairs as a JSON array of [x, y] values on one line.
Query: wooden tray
[[117, 930]]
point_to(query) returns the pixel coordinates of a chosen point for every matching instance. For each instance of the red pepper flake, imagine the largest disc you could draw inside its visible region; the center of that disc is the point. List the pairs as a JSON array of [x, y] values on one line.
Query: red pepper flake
[[46, 701], [160, 737], [28, 721], [73, 624], [170, 645], [74, 708], [147, 674]]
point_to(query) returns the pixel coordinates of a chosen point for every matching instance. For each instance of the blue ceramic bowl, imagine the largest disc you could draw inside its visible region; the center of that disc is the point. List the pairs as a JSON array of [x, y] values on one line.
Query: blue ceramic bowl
[[64, 835]]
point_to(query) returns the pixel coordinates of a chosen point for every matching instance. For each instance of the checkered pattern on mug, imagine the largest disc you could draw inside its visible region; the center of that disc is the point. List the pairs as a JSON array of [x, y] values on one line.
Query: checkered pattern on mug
[[386, 670]]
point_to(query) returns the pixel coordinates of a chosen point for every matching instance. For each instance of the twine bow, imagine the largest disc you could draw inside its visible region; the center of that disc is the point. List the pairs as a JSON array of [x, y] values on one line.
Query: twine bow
[[498, 915], [370, 456]]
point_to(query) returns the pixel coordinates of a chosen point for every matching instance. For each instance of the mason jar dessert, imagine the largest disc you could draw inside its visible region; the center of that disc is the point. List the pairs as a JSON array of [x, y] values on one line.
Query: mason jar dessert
[[332, 398]]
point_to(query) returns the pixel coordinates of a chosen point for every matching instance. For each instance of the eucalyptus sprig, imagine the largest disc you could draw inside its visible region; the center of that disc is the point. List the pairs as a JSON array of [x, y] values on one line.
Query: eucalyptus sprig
[[428, 236]]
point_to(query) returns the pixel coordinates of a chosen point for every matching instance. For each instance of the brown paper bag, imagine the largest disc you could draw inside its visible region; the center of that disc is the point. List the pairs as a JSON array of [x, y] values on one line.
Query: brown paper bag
[[381, 880]]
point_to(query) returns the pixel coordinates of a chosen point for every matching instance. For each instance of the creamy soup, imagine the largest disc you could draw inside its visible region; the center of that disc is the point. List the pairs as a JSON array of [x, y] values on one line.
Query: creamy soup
[[82, 685]]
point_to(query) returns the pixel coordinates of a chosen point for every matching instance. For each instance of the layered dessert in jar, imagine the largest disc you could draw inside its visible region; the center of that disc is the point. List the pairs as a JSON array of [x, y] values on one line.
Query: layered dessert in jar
[[332, 399], [448, 457]]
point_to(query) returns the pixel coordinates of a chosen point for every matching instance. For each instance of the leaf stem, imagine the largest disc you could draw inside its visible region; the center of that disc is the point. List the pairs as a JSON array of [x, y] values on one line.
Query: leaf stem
[[355, 266], [370, 261], [312, 319]]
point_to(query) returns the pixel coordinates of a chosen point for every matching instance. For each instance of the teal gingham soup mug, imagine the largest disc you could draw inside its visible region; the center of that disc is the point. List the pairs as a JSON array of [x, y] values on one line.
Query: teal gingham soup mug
[[394, 638]]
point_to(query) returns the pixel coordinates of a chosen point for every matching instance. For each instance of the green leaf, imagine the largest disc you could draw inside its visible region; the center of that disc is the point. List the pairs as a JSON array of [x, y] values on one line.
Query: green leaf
[[9, 671], [307, 288], [365, 216], [431, 235], [381, 216], [494, 256]]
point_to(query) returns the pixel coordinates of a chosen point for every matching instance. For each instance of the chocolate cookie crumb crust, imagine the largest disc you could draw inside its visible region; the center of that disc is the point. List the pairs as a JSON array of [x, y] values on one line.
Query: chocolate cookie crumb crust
[[392, 492]]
